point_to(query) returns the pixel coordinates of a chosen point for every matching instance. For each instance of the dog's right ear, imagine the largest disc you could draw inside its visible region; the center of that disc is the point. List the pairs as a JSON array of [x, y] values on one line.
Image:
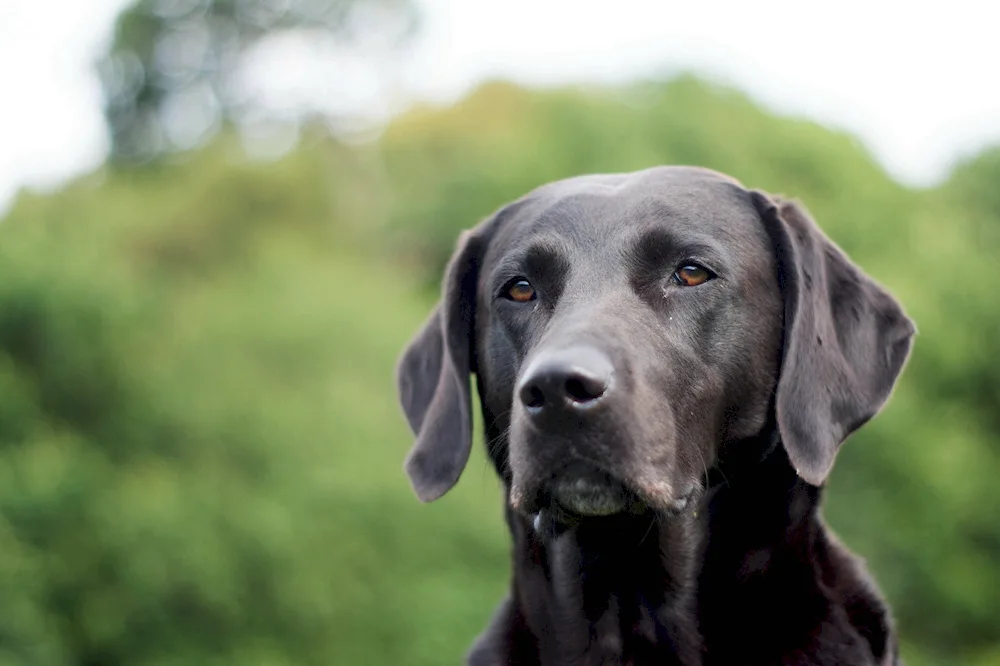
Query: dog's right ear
[[433, 377]]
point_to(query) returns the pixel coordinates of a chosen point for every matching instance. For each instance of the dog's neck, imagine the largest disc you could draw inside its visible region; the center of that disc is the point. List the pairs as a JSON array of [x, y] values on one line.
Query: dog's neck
[[606, 591], [773, 575], [651, 589]]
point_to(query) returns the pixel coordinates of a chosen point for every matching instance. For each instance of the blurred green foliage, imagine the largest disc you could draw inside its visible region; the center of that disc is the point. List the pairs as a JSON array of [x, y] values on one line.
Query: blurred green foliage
[[200, 450]]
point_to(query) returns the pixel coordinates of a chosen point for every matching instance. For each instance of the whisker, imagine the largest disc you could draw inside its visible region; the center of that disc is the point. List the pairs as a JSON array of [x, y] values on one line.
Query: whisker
[[493, 443], [648, 529]]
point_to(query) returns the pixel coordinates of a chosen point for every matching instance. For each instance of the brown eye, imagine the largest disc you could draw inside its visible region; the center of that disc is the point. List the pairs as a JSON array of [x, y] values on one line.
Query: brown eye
[[520, 291], [691, 275]]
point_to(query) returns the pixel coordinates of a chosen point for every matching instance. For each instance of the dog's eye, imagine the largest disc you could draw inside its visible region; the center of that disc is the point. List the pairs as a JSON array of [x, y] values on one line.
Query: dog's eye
[[691, 275], [519, 290]]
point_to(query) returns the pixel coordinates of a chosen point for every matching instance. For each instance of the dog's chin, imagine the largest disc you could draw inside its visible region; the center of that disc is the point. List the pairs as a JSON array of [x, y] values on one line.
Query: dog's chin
[[577, 492], [593, 494], [581, 491]]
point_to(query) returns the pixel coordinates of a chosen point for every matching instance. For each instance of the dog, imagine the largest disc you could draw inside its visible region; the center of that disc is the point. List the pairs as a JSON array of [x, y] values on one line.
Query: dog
[[667, 363]]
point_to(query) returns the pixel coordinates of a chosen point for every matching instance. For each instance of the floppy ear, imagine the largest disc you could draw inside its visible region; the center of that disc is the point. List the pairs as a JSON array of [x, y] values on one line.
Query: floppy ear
[[433, 378], [846, 340]]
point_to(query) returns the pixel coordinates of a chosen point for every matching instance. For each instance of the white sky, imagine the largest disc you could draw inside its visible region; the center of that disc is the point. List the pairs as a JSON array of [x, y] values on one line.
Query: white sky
[[919, 83]]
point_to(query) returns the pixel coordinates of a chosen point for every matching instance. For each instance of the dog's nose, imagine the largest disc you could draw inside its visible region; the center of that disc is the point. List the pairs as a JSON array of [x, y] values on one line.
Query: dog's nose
[[572, 378]]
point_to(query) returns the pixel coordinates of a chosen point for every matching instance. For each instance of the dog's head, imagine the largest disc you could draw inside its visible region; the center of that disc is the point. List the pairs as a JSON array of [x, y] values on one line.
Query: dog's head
[[624, 328]]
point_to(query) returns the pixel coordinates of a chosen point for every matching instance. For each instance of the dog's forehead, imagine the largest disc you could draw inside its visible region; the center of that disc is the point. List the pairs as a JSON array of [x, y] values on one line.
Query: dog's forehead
[[613, 208]]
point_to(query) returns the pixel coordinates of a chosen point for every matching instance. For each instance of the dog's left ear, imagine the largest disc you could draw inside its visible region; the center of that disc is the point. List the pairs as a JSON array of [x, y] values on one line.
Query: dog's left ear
[[846, 340]]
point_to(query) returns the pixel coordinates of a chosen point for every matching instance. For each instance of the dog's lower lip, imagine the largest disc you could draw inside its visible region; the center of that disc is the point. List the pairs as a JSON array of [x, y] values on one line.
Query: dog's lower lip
[[685, 501], [681, 503]]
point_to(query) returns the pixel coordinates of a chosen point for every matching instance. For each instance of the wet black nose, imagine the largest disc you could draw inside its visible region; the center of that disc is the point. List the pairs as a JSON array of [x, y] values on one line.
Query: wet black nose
[[573, 378]]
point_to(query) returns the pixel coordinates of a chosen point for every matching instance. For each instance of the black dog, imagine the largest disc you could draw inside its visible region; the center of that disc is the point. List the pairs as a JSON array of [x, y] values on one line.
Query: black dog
[[667, 364]]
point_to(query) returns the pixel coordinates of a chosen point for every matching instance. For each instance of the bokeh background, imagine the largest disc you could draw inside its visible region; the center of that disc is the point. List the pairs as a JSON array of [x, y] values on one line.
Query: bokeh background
[[224, 241]]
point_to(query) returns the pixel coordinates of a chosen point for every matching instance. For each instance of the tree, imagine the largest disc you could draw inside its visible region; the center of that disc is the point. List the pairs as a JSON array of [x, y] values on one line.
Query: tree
[[172, 76]]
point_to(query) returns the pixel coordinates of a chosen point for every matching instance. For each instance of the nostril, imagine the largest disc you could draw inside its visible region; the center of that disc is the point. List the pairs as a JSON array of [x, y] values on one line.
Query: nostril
[[532, 397], [584, 389]]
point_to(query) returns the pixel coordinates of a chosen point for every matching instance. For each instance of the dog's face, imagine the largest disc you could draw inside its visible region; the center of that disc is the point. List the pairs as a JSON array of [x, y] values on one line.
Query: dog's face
[[622, 332], [623, 328]]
